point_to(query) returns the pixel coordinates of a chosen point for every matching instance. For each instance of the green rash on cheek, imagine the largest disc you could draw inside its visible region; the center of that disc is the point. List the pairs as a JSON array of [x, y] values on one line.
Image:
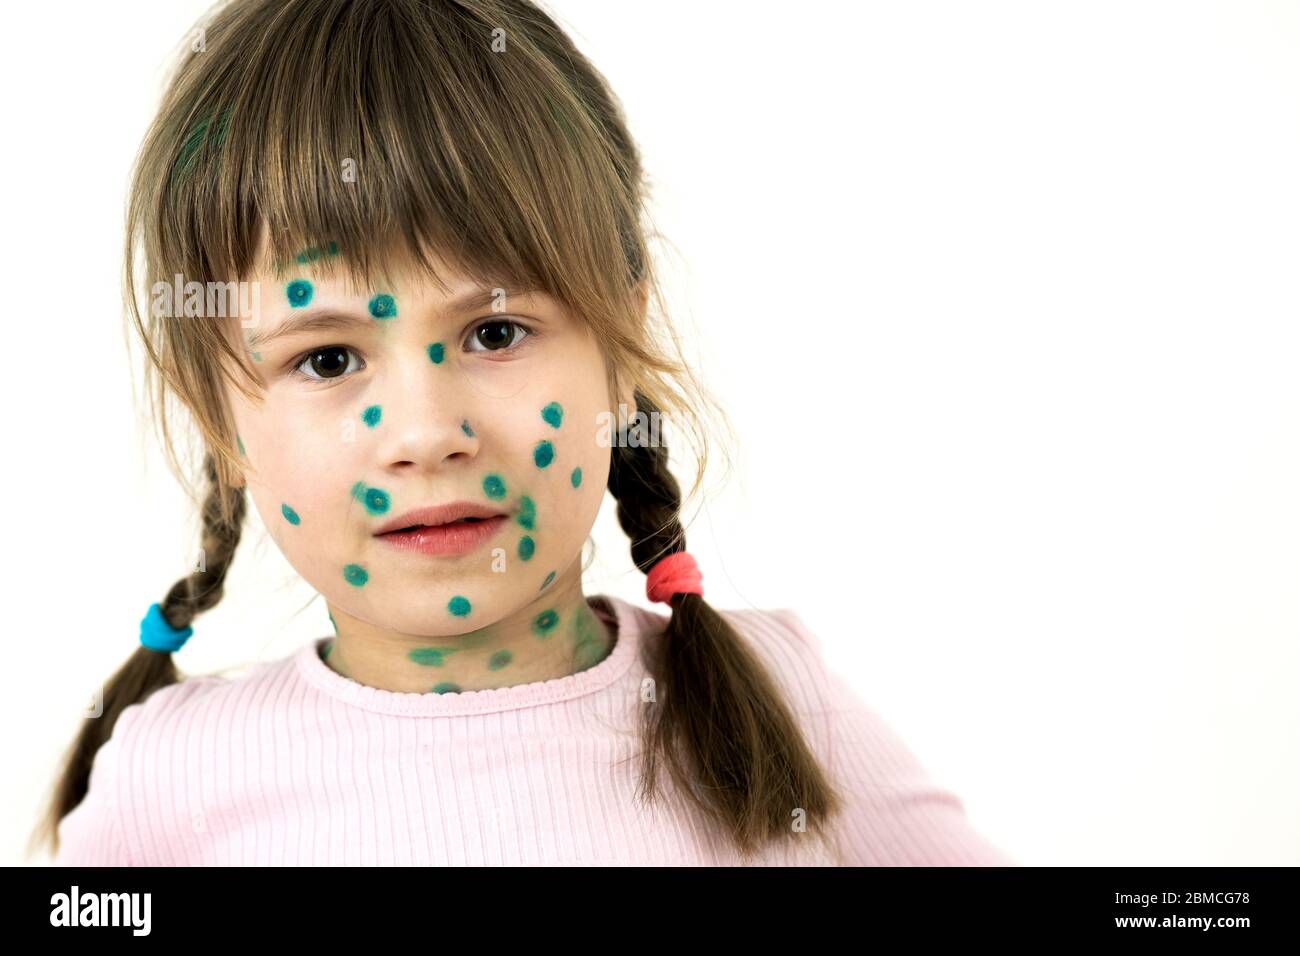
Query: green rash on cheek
[[446, 687], [553, 414], [459, 606], [526, 548], [549, 578], [436, 353], [494, 486], [543, 454], [298, 292], [383, 306], [527, 513], [372, 415], [355, 575], [499, 660], [576, 478], [545, 622], [375, 499], [290, 515]]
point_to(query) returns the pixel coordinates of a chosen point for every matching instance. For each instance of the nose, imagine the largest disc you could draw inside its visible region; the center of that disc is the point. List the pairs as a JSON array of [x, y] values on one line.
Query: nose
[[425, 422]]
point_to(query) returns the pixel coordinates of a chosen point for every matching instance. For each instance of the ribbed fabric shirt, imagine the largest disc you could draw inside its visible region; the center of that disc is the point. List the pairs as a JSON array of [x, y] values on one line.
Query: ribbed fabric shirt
[[293, 764]]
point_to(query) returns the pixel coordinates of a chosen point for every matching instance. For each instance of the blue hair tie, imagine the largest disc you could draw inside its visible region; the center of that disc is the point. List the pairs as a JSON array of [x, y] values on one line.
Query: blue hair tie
[[157, 635]]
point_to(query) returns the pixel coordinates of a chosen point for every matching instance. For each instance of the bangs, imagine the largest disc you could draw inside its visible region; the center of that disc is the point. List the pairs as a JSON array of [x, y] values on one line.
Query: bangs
[[357, 135]]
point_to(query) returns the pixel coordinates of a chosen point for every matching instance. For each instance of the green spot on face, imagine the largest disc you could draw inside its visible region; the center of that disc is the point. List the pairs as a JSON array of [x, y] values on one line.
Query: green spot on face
[[446, 687], [430, 656], [526, 548], [372, 415], [436, 353], [545, 622], [464, 426], [241, 445], [553, 414], [299, 293], [376, 500], [549, 578], [257, 356], [332, 621], [527, 512], [290, 515], [458, 606], [543, 454], [382, 306], [494, 487], [355, 574], [576, 477], [499, 660]]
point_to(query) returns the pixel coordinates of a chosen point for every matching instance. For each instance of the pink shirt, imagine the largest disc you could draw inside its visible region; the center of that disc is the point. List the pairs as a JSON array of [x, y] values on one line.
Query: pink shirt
[[294, 764]]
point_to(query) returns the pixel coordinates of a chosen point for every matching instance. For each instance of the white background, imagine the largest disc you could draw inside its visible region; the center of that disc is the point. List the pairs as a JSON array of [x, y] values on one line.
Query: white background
[[1002, 300]]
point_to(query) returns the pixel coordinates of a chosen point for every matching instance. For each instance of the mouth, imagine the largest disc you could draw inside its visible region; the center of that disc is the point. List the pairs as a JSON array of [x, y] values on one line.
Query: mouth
[[452, 514], [445, 530]]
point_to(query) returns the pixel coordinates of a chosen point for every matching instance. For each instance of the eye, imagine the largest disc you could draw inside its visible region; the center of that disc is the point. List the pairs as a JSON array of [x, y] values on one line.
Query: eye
[[497, 335], [327, 363]]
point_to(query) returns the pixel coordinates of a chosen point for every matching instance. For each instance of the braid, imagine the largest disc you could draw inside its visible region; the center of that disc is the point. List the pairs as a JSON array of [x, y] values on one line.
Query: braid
[[148, 670], [719, 721], [223, 517]]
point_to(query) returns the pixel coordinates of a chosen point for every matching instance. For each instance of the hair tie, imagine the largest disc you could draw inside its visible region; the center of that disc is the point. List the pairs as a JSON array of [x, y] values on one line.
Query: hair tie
[[157, 635], [676, 573]]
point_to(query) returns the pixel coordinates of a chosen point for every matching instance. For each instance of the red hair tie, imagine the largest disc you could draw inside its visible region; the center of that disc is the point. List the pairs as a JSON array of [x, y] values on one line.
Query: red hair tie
[[676, 573]]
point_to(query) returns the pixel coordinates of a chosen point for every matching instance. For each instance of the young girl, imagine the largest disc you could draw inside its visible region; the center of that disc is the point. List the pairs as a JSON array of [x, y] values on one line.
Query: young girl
[[430, 213]]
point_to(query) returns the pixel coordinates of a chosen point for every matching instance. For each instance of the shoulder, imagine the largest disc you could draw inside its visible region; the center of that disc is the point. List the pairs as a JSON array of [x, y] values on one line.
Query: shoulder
[[791, 652], [130, 768], [893, 811]]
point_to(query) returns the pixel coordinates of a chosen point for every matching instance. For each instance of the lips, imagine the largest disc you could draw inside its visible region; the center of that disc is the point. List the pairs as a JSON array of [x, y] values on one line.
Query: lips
[[455, 513], [447, 540]]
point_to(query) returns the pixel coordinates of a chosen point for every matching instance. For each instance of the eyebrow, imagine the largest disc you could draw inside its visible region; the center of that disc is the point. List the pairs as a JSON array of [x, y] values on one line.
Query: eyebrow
[[324, 318]]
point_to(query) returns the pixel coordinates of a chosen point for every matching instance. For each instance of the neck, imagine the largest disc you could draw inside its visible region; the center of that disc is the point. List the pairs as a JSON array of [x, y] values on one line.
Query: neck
[[519, 649]]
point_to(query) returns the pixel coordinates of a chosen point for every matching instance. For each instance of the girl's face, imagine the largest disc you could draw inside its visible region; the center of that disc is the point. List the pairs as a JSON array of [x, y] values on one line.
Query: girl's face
[[382, 401]]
